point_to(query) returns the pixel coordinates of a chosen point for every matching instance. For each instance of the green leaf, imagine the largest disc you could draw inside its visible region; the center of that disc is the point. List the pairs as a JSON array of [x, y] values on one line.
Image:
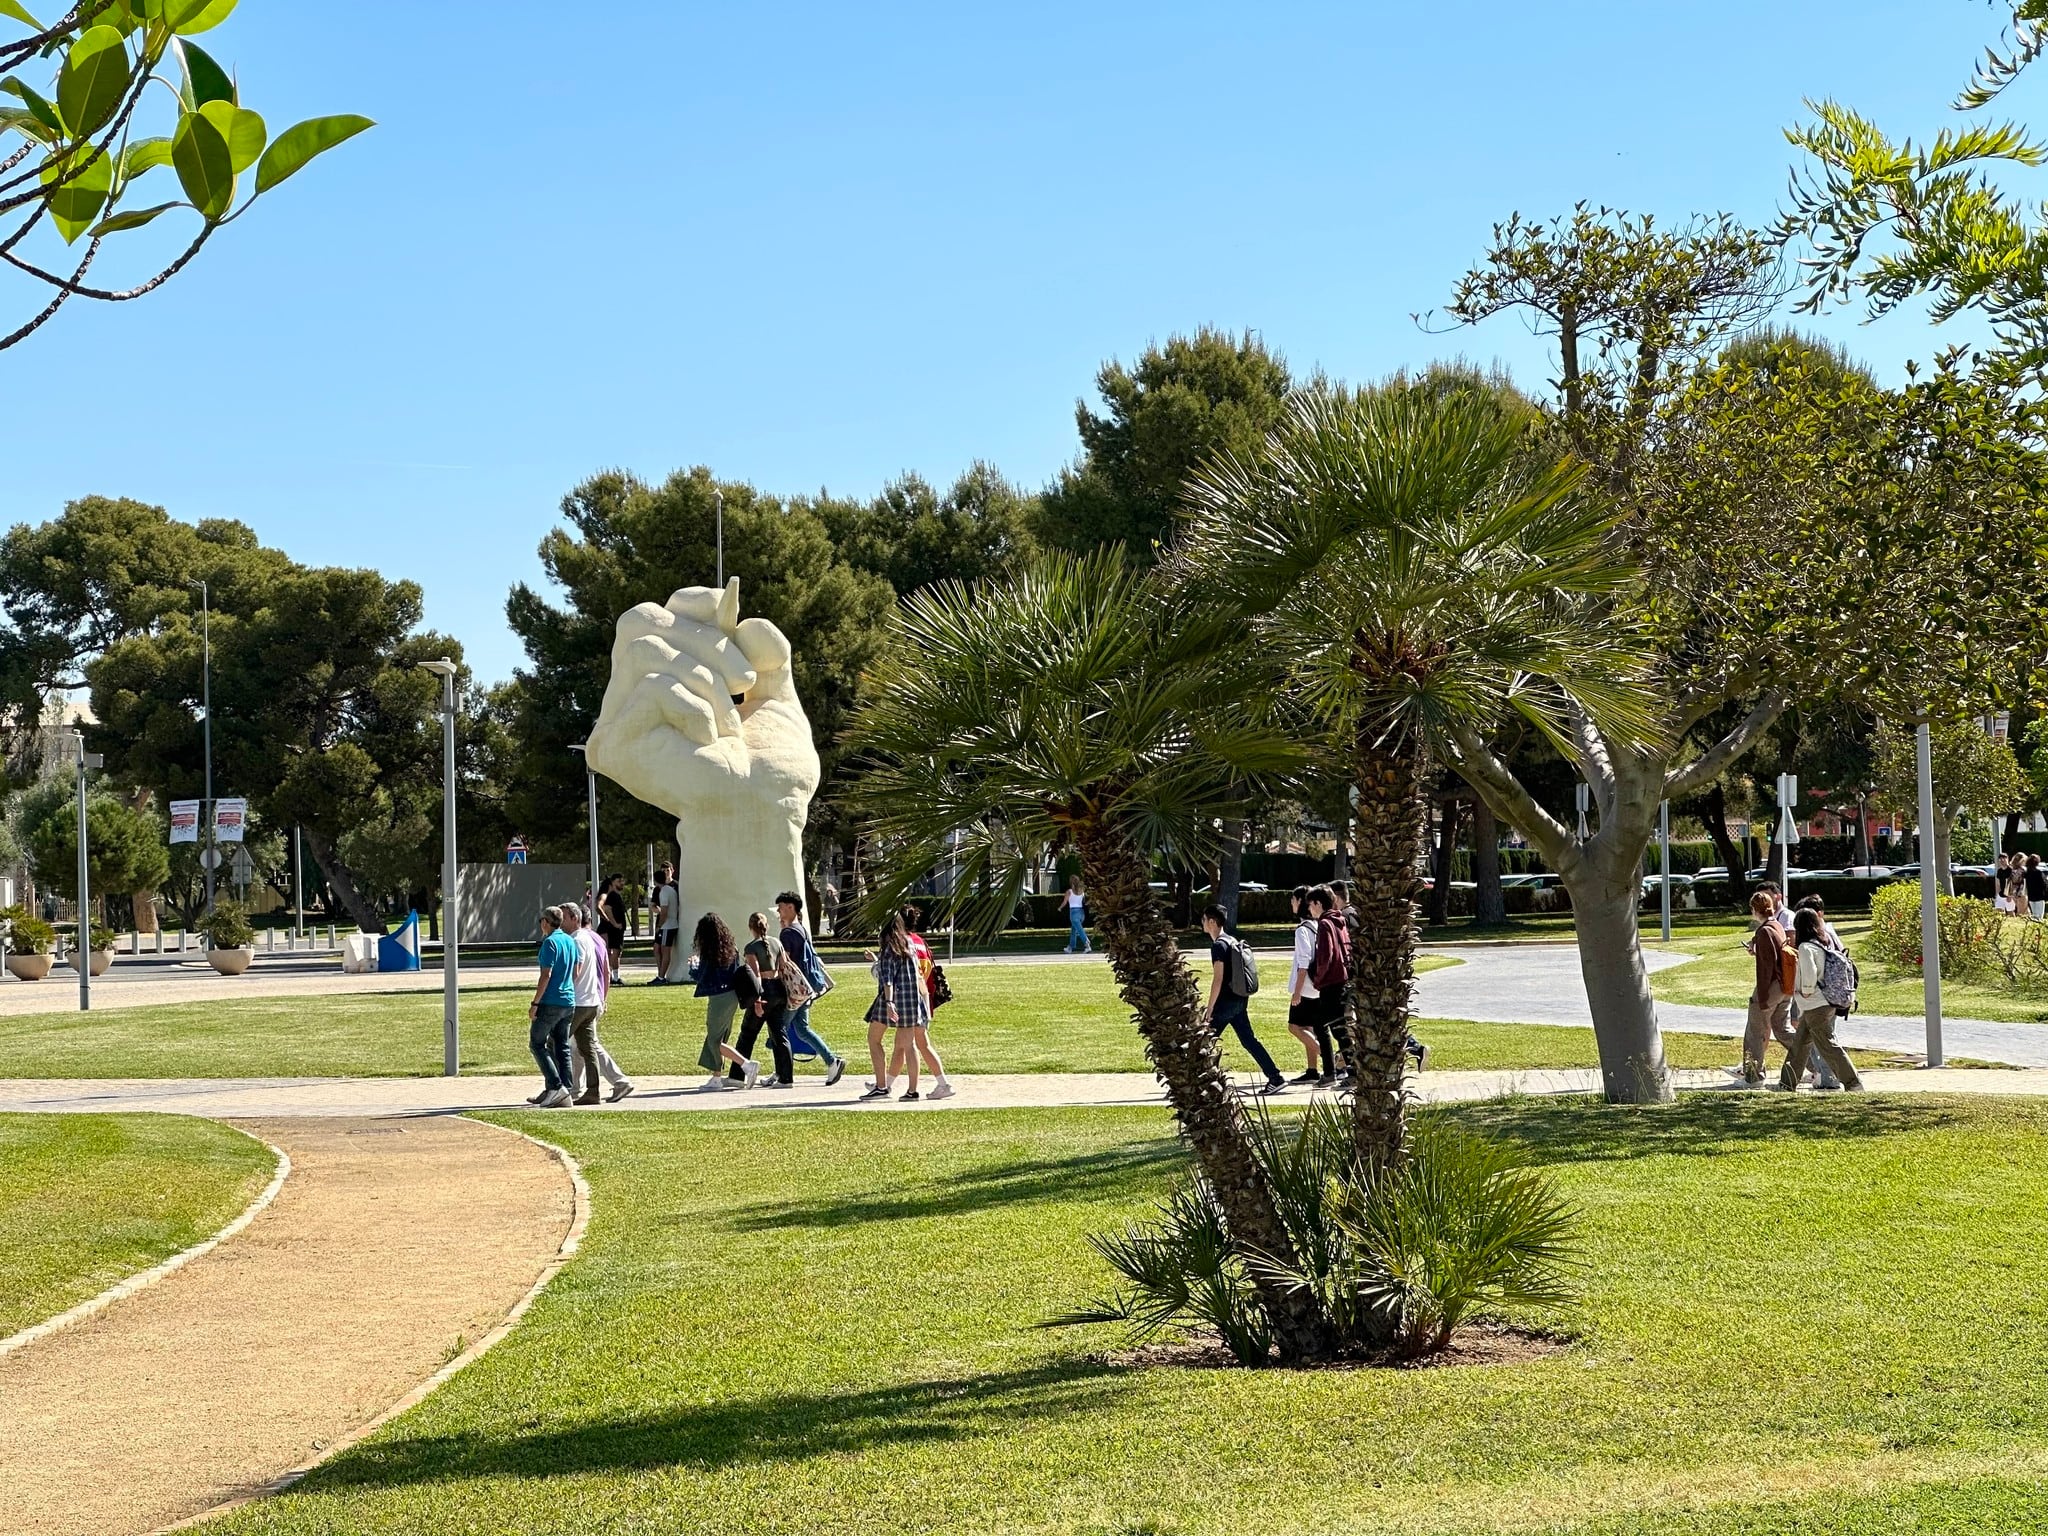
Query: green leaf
[[144, 155], [135, 218], [44, 112], [189, 16], [93, 80], [26, 123], [301, 142], [206, 170], [242, 128], [13, 8], [204, 80], [77, 203]]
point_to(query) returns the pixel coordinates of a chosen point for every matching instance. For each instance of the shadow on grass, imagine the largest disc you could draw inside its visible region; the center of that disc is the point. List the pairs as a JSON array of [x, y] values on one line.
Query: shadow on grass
[[1117, 1170], [1581, 1130], [722, 1436]]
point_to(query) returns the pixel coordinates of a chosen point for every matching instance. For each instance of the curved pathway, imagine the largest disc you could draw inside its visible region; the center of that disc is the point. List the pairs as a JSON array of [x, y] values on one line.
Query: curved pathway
[[392, 1247], [1541, 984]]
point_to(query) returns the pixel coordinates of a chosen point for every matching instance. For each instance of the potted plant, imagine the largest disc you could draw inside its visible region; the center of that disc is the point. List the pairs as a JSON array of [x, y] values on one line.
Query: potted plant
[[230, 941], [102, 949], [30, 942]]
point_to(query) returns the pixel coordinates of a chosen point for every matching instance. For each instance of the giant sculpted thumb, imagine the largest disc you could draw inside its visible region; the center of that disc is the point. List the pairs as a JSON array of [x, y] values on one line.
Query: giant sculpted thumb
[[702, 719]]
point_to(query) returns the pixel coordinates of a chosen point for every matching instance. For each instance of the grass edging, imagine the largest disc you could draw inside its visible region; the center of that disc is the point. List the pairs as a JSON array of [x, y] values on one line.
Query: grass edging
[[579, 1218], [122, 1289]]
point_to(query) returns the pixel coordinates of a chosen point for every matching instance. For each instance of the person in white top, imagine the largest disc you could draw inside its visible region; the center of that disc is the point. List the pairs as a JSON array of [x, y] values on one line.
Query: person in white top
[[665, 922], [1077, 932], [589, 982], [1300, 988], [1816, 1030]]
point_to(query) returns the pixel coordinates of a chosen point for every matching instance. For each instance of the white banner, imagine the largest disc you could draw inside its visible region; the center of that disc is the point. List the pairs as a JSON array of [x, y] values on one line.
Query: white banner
[[229, 816], [184, 821]]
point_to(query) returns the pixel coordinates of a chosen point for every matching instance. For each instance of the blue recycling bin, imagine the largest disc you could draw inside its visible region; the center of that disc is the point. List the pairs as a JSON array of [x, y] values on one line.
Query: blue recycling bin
[[400, 951]]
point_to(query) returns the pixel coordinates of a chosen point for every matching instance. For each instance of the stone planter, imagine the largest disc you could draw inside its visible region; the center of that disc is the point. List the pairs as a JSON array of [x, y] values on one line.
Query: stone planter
[[101, 959], [231, 962], [30, 967]]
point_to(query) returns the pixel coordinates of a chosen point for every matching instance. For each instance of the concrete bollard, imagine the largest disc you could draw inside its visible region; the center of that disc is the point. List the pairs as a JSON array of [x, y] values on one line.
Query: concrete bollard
[[332, 942]]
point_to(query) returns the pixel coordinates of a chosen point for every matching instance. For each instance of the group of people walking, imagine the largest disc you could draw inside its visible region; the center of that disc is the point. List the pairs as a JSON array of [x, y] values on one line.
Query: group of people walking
[[1803, 973], [765, 986], [2019, 885]]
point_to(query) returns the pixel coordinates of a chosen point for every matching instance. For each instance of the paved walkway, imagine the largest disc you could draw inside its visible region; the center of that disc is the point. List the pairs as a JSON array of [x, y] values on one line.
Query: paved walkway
[[312, 1098], [390, 1247], [1541, 984]]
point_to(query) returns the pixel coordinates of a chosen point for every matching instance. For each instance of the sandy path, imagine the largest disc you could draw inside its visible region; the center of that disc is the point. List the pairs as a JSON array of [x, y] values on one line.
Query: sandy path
[[390, 1242]]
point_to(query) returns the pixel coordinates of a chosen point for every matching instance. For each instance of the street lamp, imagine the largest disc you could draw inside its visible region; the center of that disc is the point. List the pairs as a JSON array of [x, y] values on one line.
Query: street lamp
[[1930, 887], [83, 957], [590, 778], [451, 875], [208, 859]]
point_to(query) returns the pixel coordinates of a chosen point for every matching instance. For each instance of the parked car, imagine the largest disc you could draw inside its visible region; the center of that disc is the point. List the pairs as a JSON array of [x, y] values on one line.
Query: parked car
[[1711, 872], [1678, 882], [1867, 872], [1542, 882]]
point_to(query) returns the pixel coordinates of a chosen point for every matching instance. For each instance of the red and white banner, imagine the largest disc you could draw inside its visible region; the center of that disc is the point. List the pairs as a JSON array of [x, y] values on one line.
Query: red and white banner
[[184, 821], [229, 818]]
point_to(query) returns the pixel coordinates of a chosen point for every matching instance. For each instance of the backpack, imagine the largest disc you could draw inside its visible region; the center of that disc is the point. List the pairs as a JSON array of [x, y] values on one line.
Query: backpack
[[1241, 971], [1788, 968], [942, 989], [1331, 967], [1838, 980]]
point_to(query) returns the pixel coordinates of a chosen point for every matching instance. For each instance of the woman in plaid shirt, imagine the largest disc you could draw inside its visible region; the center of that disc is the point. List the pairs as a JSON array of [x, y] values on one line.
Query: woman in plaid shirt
[[900, 1003]]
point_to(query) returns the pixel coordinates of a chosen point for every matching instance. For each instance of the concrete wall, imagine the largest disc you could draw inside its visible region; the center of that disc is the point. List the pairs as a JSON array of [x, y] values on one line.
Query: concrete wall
[[501, 902]]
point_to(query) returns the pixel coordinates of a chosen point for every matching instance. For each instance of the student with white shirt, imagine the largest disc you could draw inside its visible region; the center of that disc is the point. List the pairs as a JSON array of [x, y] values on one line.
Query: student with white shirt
[[589, 983], [1816, 1030], [1301, 992]]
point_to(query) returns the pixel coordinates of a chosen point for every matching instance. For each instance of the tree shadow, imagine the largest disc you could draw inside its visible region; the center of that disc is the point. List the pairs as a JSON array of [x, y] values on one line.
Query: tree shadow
[[737, 1433], [1585, 1130], [1114, 1170]]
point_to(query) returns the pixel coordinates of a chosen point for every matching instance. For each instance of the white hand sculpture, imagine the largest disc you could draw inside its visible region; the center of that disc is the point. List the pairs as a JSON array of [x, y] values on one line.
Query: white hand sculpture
[[701, 718]]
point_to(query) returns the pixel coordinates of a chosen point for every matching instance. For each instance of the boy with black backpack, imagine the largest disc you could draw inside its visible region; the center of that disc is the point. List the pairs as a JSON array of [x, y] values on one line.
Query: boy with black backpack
[[1233, 978]]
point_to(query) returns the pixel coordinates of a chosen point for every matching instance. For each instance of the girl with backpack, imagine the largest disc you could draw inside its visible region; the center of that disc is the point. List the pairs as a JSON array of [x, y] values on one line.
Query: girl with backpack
[[1816, 1032]]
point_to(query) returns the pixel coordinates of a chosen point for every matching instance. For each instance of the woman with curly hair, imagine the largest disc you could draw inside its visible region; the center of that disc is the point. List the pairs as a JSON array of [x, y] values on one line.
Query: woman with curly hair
[[715, 962]]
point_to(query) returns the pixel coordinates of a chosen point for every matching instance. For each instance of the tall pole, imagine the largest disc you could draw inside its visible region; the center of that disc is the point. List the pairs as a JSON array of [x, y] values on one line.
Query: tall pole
[[596, 879], [83, 958], [298, 884], [718, 514], [1664, 861], [953, 893], [451, 879], [1930, 917], [206, 721]]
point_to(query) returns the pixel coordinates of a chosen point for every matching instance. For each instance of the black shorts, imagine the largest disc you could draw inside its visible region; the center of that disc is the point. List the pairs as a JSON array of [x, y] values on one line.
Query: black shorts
[[1324, 1011]]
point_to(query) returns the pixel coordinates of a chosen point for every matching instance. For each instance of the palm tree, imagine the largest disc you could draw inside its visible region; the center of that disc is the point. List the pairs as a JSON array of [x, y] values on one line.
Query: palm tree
[[1077, 700], [1423, 567]]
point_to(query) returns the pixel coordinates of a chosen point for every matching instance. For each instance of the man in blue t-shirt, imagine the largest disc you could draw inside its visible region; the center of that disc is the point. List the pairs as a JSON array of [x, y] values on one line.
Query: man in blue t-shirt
[[554, 1007]]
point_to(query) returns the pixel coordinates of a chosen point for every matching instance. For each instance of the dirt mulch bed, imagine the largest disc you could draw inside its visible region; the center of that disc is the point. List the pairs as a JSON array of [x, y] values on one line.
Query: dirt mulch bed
[[1475, 1344]]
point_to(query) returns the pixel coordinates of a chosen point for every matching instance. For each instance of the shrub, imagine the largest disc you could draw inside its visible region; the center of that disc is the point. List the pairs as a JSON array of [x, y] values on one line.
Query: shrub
[[1970, 931], [227, 926], [102, 936], [27, 933], [1462, 1226]]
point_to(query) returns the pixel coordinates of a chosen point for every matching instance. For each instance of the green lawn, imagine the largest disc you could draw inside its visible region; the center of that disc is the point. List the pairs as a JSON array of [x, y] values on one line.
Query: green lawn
[[799, 1324], [1724, 974], [1005, 1018], [87, 1200]]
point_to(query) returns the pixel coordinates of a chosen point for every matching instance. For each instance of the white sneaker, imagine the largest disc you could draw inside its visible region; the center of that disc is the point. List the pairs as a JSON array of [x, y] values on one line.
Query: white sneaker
[[556, 1099], [941, 1090], [750, 1073], [834, 1072], [775, 1082], [620, 1090], [715, 1083]]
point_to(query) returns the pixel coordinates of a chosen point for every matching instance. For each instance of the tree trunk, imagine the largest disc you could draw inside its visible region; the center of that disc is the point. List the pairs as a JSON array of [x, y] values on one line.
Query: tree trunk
[[1604, 903], [143, 897], [1155, 983], [1446, 848], [1230, 875], [1944, 824], [1489, 905], [1714, 812], [1862, 859], [1391, 826], [341, 879]]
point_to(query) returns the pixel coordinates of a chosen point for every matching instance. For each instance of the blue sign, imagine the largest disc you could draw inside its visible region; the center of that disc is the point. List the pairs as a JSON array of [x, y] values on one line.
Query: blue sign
[[515, 851]]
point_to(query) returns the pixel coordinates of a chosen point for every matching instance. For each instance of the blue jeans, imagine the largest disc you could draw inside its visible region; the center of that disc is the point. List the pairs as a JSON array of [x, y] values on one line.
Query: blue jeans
[[803, 1040], [1233, 1013], [548, 1039], [1077, 936]]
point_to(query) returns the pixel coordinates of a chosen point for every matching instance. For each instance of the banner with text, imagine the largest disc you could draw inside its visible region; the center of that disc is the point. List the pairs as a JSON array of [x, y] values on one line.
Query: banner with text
[[229, 817], [184, 821]]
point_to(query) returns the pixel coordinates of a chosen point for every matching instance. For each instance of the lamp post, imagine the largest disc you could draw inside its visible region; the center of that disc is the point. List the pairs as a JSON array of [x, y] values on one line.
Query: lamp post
[[1664, 862], [83, 956], [210, 857], [451, 877], [718, 518], [1930, 916], [590, 779]]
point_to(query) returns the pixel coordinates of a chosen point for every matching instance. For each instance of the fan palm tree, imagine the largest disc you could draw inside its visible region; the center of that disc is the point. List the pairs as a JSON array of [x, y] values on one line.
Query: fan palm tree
[[1077, 700], [1423, 567]]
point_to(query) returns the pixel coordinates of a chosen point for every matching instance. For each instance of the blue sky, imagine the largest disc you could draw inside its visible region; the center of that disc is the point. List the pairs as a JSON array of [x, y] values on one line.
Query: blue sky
[[818, 245]]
